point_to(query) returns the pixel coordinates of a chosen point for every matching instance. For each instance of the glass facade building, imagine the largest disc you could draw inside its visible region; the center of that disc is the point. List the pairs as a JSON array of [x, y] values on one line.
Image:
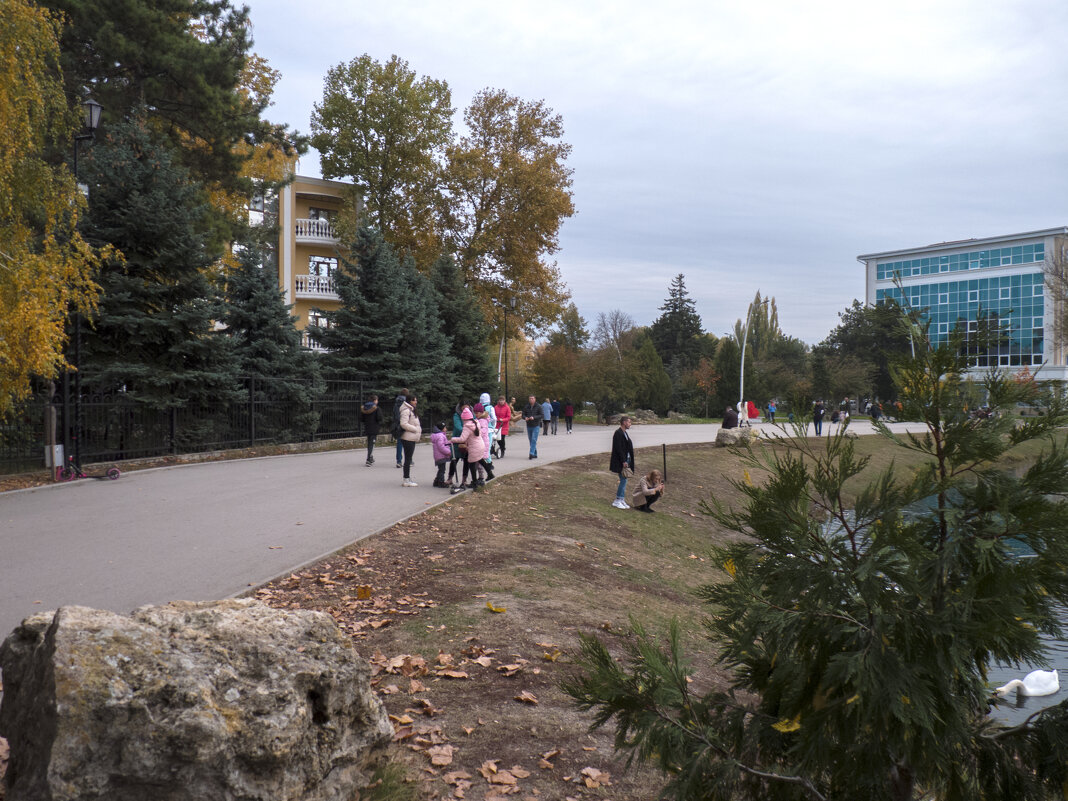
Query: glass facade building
[[994, 291]]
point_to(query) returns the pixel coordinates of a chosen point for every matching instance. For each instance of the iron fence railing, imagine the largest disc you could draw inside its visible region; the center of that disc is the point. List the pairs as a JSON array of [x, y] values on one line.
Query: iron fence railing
[[112, 426]]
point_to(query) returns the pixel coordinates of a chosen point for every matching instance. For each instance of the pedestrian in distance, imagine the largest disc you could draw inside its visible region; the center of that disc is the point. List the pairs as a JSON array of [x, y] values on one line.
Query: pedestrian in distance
[[649, 490], [555, 414], [372, 421], [411, 432], [622, 461], [394, 423], [546, 415], [532, 415], [772, 407], [743, 415], [730, 418], [818, 412], [569, 414], [504, 418], [439, 443]]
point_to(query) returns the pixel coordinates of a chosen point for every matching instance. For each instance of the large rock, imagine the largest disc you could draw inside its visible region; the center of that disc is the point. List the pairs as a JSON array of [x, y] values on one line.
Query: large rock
[[219, 700], [729, 437]]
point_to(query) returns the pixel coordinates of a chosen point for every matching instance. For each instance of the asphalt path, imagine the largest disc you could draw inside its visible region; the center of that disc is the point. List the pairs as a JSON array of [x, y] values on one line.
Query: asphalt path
[[212, 530]]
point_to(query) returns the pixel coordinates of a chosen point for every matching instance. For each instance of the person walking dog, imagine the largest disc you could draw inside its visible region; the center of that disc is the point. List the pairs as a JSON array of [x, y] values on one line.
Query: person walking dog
[[622, 461]]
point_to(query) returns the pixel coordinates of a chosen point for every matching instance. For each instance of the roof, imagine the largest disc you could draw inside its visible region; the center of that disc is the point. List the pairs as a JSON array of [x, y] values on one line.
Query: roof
[[960, 243]]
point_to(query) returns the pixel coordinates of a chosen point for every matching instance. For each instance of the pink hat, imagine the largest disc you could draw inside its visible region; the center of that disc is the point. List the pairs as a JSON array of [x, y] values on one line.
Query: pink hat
[[479, 408], [466, 415]]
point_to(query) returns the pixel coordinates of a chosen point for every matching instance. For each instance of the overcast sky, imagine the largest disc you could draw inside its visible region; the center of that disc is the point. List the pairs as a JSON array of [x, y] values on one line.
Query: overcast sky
[[759, 145]]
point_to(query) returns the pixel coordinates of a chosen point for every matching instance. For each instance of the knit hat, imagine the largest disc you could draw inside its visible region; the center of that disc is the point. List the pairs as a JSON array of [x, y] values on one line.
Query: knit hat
[[466, 415], [479, 408]]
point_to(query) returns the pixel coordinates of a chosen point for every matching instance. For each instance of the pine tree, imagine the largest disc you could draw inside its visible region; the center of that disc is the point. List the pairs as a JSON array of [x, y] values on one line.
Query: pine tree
[[654, 383], [388, 326], [675, 332], [857, 635], [267, 346], [462, 318], [153, 332]]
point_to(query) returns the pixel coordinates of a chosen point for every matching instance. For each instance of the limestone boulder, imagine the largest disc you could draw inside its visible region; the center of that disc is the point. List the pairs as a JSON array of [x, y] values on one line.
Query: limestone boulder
[[730, 437], [227, 700]]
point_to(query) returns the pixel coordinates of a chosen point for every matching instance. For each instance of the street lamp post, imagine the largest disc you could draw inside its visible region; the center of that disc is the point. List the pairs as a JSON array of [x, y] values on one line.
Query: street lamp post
[[90, 122], [745, 338]]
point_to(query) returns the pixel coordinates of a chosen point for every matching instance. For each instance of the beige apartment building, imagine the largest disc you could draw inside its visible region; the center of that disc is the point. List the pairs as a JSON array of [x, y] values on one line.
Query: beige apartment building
[[308, 255]]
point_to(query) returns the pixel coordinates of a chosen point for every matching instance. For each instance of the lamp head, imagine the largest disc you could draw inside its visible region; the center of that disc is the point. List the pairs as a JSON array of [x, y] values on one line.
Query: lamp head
[[91, 114]]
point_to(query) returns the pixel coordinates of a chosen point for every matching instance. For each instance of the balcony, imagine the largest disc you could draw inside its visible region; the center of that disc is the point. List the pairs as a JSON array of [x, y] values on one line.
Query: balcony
[[315, 232], [311, 344], [316, 287]]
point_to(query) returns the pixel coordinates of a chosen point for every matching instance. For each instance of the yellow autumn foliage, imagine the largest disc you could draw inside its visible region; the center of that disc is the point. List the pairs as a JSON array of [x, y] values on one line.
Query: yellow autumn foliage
[[45, 265]]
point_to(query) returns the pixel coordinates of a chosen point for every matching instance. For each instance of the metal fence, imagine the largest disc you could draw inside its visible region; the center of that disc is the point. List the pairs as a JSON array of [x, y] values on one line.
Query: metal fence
[[111, 426]]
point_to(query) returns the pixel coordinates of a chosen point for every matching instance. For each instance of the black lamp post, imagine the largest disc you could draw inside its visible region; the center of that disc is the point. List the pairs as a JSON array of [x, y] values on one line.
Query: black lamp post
[[90, 122], [511, 302]]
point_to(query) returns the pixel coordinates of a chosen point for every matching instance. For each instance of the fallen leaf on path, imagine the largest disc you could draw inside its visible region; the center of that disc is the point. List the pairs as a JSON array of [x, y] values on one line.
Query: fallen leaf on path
[[527, 697], [492, 608]]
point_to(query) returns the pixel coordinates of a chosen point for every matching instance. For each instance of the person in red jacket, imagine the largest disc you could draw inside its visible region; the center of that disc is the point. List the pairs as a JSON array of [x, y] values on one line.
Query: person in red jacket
[[569, 414], [504, 417]]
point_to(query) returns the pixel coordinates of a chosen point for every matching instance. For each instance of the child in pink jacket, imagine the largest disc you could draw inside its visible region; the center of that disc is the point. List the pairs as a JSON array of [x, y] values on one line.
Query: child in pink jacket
[[439, 443]]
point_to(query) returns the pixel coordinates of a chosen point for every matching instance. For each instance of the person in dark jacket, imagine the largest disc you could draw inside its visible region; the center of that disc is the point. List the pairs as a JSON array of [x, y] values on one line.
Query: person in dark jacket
[[555, 415], [372, 421], [622, 460], [533, 417], [730, 418], [817, 417], [394, 424]]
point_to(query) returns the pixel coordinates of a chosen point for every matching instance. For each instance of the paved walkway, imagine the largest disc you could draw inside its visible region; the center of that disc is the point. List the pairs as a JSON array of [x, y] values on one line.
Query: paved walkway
[[211, 530]]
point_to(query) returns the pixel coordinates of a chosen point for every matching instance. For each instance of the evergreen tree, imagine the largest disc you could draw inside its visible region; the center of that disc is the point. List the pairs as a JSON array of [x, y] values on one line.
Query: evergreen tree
[[676, 331], [857, 635], [388, 326], [654, 383], [267, 346], [153, 332], [462, 318]]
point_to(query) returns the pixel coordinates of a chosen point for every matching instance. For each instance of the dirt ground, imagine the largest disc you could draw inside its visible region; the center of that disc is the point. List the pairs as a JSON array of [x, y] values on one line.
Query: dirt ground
[[470, 616]]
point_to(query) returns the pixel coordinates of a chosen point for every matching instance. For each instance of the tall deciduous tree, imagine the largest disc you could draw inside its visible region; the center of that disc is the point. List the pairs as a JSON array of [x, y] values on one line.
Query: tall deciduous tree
[[45, 266], [857, 635], [571, 332], [386, 129], [154, 329], [677, 330], [872, 336], [509, 191]]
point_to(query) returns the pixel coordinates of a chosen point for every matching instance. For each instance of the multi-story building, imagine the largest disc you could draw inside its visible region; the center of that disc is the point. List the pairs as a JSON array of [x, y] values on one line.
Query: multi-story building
[[995, 289], [308, 245]]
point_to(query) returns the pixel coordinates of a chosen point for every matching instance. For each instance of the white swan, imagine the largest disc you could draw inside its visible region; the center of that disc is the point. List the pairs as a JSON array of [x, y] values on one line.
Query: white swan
[[1037, 682]]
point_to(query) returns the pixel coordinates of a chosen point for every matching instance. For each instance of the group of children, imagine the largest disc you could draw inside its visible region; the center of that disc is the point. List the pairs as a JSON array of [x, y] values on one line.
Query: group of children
[[472, 429]]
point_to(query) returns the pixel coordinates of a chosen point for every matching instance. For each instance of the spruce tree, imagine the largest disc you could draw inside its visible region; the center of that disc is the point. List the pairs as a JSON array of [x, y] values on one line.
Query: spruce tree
[[676, 331], [153, 332], [653, 381], [388, 327], [462, 318], [856, 615], [282, 375]]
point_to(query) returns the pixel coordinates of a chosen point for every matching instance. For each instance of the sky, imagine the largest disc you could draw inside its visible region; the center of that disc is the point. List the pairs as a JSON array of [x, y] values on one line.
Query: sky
[[754, 146]]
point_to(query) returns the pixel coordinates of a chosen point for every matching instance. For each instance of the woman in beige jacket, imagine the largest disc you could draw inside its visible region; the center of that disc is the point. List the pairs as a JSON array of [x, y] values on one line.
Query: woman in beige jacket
[[648, 491], [411, 432]]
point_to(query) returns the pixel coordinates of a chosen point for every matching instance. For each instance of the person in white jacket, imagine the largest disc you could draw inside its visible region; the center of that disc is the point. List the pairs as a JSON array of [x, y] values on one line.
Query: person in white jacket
[[487, 404], [411, 432]]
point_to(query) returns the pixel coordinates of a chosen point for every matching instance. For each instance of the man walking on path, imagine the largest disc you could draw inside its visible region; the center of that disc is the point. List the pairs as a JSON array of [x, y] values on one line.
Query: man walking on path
[[372, 419], [817, 417], [533, 417], [622, 460], [546, 415], [556, 414]]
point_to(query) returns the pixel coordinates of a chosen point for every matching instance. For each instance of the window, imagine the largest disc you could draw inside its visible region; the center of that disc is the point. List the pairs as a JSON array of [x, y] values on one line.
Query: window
[[322, 214], [322, 265], [973, 296], [943, 298]]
